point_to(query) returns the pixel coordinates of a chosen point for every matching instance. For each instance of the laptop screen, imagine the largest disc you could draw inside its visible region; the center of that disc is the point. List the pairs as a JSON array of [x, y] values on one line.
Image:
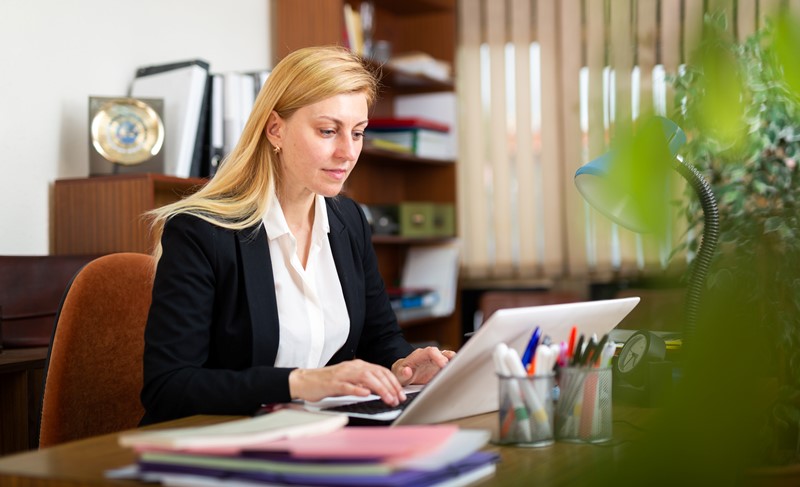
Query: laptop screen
[[468, 384]]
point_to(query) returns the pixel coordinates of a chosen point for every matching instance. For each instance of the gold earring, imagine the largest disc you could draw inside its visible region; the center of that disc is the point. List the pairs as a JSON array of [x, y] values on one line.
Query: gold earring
[[276, 150]]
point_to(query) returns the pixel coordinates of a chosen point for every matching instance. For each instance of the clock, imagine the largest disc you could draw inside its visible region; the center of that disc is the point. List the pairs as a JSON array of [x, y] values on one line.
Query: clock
[[127, 134], [642, 348]]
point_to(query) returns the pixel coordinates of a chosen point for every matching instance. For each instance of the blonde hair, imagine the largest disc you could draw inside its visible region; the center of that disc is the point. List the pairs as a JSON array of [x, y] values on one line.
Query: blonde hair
[[237, 196]]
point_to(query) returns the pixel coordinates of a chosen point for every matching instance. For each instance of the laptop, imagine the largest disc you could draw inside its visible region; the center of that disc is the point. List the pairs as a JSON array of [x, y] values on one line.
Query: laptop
[[467, 385]]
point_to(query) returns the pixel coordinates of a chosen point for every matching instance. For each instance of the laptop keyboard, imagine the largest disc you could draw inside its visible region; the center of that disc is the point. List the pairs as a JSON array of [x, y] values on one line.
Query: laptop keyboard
[[374, 406]]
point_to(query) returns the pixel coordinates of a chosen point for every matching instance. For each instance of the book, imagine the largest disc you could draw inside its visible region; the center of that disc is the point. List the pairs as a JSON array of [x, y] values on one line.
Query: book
[[412, 298], [277, 463], [396, 123], [425, 455], [441, 107], [184, 87], [217, 114], [233, 123], [426, 143], [464, 471], [238, 434], [375, 142]]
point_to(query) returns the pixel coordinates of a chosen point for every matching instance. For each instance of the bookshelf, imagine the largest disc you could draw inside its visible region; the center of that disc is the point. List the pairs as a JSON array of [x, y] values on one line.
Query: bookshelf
[[381, 176]]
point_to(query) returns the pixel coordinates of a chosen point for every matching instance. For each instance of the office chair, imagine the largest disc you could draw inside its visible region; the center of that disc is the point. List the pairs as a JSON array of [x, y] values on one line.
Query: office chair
[[93, 373]]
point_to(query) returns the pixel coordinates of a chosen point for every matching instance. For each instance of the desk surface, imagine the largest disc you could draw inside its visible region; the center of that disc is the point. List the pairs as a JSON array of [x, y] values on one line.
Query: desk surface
[[83, 462]]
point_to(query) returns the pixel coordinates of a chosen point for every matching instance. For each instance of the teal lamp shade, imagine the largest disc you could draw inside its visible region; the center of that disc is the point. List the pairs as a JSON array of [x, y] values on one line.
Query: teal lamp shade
[[630, 183]]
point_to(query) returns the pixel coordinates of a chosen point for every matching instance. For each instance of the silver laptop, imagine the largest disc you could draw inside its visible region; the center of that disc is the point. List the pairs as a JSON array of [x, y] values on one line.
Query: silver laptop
[[468, 385]]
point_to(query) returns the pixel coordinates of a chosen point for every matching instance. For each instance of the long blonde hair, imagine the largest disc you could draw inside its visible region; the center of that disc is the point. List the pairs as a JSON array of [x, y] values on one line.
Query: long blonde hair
[[237, 196]]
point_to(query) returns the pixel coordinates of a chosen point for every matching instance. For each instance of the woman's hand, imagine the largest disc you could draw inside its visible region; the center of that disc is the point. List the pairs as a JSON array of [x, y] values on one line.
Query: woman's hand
[[351, 378], [421, 365]]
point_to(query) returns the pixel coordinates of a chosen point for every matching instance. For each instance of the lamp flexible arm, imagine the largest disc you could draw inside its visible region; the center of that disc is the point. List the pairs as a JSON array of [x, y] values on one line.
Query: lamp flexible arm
[[708, 244]]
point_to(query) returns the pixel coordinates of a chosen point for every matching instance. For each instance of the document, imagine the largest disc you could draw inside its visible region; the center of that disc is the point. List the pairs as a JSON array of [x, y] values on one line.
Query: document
[[236, 435], [434, 267]]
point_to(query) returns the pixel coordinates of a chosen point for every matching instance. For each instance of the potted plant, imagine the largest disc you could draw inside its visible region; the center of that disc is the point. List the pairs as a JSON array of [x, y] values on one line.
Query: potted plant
[[742, 119]]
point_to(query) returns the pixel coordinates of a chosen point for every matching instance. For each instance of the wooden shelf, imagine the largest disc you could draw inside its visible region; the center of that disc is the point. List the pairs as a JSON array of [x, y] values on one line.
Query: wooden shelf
[[415, 7], [396, 240], [401, 83], [384, 156], [382, 176], [105, 214]]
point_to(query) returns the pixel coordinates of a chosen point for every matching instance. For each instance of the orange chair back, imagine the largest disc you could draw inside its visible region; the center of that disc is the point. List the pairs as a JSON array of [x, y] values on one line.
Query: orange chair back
[[93, 374]]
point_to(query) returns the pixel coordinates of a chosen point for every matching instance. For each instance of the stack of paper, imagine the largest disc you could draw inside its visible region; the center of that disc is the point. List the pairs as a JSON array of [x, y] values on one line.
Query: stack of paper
[[421, 63], [292, 447]]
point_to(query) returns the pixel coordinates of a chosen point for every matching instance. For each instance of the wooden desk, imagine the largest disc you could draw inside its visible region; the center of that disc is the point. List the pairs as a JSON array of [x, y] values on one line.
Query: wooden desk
[[83, 462], [21, 372]]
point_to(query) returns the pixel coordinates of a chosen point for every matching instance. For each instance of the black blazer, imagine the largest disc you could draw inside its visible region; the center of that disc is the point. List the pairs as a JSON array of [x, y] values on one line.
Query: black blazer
[[212, 332]]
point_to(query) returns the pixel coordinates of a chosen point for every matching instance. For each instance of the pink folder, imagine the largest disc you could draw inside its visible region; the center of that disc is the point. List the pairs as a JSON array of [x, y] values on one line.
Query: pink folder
[[365, 442]]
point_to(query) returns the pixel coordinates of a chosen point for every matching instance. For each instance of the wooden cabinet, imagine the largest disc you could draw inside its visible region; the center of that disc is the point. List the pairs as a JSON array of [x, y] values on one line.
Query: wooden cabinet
[[104, 214], [21, 372], [383, 177]]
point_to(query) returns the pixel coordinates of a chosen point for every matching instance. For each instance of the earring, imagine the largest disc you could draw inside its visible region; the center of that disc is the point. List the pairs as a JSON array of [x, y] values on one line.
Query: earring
[[276, 150]]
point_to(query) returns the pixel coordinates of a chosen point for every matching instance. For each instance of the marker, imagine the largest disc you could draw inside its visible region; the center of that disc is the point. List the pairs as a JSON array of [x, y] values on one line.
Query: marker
[[608, 353], [563, 355], [514, 366], [519, 411]]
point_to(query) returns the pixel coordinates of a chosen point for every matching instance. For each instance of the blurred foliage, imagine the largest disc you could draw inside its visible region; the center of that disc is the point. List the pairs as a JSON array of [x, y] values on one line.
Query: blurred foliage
[[638, 190], [739, 105]]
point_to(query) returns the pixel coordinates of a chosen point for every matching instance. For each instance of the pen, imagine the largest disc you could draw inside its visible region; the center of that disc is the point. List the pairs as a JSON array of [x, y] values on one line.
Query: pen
[[576, 353], [530, 349], [588, 354], [571, 350], [597, 359]]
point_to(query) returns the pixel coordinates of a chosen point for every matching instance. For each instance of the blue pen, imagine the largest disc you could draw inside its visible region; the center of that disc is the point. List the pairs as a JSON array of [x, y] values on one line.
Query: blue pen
[[531, 348]]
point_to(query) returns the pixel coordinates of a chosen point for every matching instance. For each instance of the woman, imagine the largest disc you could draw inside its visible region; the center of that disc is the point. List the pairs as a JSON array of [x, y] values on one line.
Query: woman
[[267, 286]]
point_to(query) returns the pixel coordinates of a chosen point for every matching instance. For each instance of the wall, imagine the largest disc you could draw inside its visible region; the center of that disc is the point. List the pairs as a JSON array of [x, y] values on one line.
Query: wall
[[55, 54]]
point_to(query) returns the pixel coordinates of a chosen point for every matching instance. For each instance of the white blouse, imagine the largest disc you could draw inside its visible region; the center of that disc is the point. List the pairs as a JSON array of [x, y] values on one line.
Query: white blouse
[[314, 322]]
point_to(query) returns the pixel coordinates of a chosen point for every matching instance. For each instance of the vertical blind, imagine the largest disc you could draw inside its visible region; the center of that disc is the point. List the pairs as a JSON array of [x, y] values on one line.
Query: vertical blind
[[541, 86]]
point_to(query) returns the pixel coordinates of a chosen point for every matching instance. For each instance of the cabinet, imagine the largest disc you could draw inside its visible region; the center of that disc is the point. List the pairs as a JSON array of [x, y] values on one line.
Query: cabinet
[[103, 214], [383, 177]]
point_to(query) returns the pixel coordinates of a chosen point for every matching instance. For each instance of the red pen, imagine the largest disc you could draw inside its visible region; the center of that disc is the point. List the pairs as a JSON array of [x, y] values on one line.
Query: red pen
[[572, 336]]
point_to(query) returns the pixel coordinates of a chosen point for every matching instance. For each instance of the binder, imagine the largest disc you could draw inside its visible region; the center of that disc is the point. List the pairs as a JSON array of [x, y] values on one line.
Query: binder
[[217, 115], [185, 89]]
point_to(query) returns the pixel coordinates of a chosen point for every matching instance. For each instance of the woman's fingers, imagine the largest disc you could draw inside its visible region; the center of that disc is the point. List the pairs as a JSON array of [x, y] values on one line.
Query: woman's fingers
[[421, 365], [354, 377]]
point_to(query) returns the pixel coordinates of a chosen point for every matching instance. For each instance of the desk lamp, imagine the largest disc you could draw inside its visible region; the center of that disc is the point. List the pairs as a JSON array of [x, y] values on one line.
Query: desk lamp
[[603, 181]]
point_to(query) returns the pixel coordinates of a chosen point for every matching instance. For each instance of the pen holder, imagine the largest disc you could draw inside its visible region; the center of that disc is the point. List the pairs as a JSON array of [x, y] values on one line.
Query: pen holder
[[525, 410], [583, 409]]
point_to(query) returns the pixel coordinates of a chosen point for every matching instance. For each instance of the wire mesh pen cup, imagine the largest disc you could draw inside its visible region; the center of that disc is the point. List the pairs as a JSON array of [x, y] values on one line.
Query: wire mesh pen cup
[[583, 410], [525, 410]]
